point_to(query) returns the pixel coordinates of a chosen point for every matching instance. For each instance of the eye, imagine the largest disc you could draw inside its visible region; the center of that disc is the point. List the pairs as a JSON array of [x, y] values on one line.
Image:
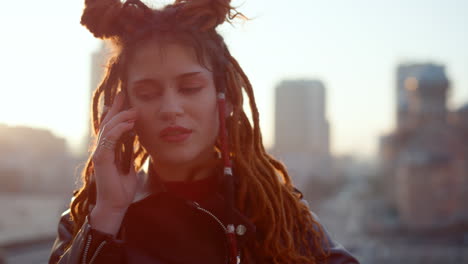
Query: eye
[[146, 89], [190, 90], [191, 85], [148, 94]]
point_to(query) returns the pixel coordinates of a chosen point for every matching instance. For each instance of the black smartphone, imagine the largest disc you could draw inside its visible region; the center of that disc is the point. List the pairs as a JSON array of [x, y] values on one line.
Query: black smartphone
[[124, 146]]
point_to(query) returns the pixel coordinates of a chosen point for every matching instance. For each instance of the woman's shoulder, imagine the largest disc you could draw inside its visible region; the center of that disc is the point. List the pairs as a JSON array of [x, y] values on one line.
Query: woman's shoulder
[[336, 253], [66, 221]]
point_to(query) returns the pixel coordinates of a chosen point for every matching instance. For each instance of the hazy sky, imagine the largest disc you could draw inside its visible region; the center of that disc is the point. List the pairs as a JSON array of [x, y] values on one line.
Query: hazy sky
[[353, 46]]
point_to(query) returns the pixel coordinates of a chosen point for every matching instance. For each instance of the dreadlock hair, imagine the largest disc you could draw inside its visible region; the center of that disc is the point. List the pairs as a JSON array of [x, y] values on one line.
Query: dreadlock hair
[[287, 232]]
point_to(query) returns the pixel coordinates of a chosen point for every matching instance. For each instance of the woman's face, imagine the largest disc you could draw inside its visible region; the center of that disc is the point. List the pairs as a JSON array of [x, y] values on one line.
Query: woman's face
[[175, 98]]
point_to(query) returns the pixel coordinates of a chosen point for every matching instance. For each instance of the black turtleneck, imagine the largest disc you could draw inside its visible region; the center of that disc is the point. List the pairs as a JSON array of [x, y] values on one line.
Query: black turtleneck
[[197, 190]]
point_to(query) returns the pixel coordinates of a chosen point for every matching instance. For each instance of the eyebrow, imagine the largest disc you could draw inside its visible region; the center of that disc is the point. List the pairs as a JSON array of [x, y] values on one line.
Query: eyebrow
[[156, 82], [187, 74]]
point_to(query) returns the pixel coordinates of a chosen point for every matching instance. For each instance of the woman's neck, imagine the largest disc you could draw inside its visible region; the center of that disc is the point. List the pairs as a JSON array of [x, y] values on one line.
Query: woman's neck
[[181, 173], [185, 172]]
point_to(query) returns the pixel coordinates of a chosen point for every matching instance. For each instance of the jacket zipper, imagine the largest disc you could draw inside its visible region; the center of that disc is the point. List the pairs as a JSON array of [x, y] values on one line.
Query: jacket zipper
[[197, 205], [211, 214], [88, 244], [85, 254]]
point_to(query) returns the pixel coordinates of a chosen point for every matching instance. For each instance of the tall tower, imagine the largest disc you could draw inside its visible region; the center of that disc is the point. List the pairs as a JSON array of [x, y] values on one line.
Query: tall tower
[[302, 131], [300, 123], [433, 86], [421, 94]]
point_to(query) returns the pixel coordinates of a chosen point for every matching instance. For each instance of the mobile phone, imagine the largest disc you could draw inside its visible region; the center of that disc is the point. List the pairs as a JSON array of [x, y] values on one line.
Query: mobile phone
[[124, 146]]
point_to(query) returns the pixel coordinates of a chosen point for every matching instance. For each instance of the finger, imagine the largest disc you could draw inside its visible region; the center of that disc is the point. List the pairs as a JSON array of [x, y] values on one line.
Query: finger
[[117, 131], [114, 108], [124, 116], [105, 109], [106, 145]]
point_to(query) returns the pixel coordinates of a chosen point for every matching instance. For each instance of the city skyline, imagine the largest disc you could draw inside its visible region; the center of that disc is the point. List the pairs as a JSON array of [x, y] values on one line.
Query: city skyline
[[354, 48]]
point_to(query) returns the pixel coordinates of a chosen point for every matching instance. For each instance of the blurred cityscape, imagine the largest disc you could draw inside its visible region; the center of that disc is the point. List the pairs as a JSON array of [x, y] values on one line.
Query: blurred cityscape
[[406, 205]]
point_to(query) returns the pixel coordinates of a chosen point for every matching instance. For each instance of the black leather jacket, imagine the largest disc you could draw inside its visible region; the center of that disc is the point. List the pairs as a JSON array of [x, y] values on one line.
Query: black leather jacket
[[165, 229]]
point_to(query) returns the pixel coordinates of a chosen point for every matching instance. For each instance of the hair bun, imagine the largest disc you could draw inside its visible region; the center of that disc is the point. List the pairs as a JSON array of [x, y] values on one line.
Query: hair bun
[[100, 17], [111, 18], [206, 14]]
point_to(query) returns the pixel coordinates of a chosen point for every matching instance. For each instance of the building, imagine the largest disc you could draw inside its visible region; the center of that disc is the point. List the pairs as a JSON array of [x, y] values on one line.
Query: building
[[302, 130], [98, 64], [300, 118], [34, 160], [424, 161], [421, 90]]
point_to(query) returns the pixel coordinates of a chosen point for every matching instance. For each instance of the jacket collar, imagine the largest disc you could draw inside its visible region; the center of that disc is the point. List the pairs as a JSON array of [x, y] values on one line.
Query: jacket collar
[[156, 186]]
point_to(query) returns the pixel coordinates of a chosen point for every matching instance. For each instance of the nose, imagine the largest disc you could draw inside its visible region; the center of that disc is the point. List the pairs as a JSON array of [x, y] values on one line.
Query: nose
[[171, 107]]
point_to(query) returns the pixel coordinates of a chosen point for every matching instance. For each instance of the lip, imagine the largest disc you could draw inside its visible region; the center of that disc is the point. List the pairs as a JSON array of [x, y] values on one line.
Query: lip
[[174, 134]]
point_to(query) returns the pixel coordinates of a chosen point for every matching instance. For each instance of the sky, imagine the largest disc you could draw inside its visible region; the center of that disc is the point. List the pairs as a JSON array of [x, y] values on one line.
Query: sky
[[353, 47]]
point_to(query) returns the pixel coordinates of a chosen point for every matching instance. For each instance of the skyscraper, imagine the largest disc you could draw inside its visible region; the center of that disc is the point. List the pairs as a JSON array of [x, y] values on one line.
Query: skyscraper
[[300, 123], [302, 130], [424, 159], [421, 93]]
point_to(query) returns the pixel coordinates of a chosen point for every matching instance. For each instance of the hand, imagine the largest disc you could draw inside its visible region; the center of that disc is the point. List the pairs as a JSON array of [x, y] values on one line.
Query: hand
[[115, 190]]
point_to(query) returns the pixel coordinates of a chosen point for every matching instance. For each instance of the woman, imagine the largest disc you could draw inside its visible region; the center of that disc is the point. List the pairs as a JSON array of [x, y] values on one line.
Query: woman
[[173, 99]]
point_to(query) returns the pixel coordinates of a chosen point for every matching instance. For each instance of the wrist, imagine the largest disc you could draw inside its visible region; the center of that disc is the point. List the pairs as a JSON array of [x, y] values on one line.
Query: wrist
[[103, 208], [106, 220]]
